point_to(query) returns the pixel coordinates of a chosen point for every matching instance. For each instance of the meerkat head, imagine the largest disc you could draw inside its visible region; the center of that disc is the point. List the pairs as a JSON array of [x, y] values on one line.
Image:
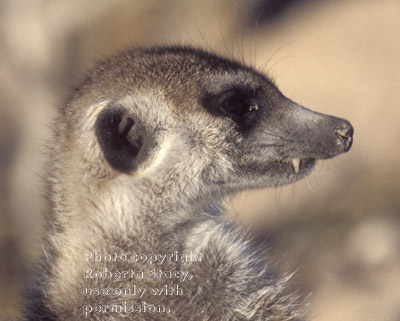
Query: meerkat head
[[188, 117]]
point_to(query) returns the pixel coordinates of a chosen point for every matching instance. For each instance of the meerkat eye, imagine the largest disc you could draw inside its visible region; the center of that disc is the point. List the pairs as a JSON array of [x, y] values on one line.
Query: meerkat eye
[[233, 104]]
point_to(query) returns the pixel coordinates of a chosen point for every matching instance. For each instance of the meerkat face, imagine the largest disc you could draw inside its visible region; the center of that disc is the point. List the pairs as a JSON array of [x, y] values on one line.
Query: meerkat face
[[280, 140], [188, 111]]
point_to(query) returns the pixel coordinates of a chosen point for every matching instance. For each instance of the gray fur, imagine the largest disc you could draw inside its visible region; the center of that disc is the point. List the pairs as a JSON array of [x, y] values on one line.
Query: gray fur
[[157, 187]]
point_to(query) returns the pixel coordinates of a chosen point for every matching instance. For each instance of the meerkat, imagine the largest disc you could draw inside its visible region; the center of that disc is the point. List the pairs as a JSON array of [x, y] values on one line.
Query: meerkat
[[143, 156]]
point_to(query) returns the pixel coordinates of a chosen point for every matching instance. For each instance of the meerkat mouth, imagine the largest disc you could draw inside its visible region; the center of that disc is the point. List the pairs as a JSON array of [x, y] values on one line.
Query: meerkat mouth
[[300, 164]]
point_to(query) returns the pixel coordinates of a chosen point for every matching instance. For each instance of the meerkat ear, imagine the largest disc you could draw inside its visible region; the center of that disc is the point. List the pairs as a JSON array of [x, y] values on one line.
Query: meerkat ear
[[120, 138]]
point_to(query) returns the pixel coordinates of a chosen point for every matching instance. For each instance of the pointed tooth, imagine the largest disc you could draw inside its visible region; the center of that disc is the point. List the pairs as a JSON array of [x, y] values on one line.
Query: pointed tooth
[[296, 165]]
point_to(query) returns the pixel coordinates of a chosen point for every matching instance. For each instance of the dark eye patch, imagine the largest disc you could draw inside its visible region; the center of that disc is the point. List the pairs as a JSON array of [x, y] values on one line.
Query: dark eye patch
[[234, 104]]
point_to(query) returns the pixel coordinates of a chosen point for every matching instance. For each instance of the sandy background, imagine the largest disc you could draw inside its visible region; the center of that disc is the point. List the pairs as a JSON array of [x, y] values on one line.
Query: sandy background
[[339, 228]]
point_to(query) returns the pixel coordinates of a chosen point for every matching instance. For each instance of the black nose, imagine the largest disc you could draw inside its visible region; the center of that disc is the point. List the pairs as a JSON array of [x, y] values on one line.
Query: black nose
[[344, 134]]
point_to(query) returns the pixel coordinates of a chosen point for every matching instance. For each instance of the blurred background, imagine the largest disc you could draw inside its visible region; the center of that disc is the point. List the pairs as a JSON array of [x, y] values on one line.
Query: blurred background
[[339, 228]]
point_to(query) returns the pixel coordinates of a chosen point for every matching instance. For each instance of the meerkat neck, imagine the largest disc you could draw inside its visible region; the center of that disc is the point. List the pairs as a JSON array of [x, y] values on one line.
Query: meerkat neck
[[148, 198]]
